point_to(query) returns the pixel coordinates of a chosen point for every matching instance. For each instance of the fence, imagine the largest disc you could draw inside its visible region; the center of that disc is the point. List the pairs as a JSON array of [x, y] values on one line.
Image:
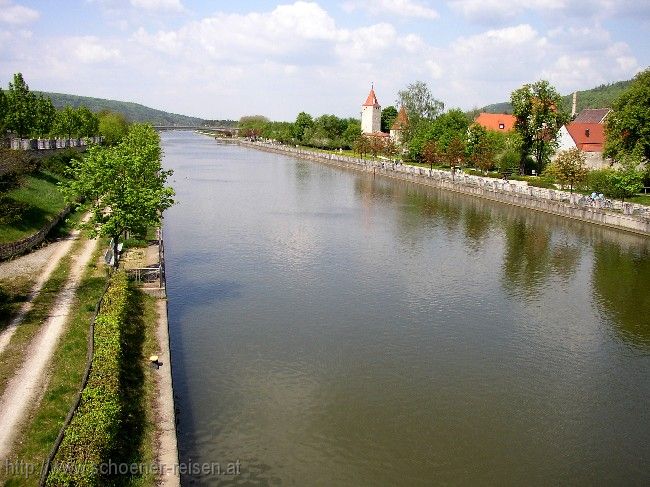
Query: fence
[[627, 216], [49, 144]]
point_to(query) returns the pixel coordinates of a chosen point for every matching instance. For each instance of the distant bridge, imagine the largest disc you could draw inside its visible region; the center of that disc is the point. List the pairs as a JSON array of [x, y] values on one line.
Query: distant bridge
[[228, 131]]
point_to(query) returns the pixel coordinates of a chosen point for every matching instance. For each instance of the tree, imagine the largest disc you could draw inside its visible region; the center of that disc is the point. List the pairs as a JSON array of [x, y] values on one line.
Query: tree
[[124, 185], [303, 122], [352, 132], [569, 168], [361, 145], [431, 154], [455, 152], [252, 125], [508, 161], [20, 107], [390, 148], [626, 181], [627, 127], [44, 116], [88, 122], [67, 123], [483, 154], [419, 102], [376, 145], [112, 126], [537, 108], [388, 116], [3, 112]]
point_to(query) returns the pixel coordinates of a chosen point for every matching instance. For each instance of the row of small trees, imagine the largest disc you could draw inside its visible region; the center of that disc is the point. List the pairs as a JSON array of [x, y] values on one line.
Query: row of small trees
[[27, 114], [324, 132], [123, 185]]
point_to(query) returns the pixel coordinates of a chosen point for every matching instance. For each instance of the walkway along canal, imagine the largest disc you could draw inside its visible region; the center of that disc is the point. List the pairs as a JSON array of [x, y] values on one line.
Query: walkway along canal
[[331, 328]]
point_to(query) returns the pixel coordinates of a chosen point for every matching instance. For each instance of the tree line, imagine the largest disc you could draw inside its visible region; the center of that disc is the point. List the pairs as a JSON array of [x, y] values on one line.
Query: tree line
[[26, 114], [451, 138]]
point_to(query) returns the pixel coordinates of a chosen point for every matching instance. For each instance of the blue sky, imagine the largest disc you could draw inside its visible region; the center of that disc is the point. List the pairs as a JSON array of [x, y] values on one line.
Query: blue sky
[[217, 59]]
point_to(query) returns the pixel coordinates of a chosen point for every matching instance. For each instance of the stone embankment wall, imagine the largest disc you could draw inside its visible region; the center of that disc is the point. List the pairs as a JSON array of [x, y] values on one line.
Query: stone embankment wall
[[19, 247], [624, 216]]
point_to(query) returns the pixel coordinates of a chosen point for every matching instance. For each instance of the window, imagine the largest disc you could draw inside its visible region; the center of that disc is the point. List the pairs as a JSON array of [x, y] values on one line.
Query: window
[[502, 126]]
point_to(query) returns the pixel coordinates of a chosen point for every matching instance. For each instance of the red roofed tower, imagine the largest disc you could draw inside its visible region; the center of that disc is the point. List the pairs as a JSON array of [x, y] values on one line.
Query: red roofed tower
[[371, 114]]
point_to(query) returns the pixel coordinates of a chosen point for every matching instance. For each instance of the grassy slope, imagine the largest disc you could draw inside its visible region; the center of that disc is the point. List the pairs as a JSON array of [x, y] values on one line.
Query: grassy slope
[[45, 201]]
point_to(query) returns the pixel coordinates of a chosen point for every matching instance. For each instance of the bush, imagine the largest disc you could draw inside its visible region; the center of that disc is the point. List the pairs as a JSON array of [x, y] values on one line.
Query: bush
[[598, 181], [14, 165], [91, 436], [615, 184], [541, 182], [60, 162], [508, 161]]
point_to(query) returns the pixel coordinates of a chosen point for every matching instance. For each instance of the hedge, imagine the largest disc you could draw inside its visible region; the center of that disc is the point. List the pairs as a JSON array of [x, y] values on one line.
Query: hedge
[[90, 438]]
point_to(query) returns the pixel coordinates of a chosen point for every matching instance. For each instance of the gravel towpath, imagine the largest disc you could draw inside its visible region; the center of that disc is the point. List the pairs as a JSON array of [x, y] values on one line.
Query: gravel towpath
[[27, 383]]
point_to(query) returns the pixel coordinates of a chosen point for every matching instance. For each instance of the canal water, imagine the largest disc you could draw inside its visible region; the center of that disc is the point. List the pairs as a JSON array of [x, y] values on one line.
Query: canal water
[[332, 329]]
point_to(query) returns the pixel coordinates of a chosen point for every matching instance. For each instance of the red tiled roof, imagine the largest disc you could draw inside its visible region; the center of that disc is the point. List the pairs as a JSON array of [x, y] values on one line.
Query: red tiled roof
[[589, 137], [402, 120], [371, 101], [496, 121], [592, 115]]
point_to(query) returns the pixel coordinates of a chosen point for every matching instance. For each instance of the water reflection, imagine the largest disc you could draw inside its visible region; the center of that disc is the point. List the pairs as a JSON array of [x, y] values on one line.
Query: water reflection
[[367, 331], [620, 286]]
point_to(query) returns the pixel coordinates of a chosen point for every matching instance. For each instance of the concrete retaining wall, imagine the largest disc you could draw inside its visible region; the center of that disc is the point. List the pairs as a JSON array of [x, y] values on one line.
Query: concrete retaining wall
[[625, 216]]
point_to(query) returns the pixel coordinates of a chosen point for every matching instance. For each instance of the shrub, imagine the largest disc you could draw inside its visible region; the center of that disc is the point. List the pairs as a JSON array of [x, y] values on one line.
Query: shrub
[[60, 162], [91, 436]]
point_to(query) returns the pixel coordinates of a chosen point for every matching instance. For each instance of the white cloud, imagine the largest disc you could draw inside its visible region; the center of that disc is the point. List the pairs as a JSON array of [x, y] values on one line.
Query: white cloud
[[500, 11], [157, 5], [92, 50], [400, 8], [16, 14], [297, 57]]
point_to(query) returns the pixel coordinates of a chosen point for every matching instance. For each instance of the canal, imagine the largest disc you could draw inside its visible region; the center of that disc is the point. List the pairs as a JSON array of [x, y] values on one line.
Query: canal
[[328, 328]]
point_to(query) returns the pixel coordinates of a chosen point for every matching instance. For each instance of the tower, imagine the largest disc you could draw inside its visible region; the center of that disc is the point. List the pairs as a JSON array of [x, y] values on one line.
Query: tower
[[371, 114]]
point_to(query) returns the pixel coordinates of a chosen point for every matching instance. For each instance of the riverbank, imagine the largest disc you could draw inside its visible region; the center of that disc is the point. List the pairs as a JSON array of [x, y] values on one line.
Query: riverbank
[[631, 217]]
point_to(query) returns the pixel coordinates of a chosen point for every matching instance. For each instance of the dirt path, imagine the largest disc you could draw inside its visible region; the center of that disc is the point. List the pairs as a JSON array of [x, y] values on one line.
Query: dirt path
[[27, 382], [42, 262]]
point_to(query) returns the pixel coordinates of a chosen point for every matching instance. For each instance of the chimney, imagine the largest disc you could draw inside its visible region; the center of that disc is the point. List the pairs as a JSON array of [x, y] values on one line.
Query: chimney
[[575, 103]]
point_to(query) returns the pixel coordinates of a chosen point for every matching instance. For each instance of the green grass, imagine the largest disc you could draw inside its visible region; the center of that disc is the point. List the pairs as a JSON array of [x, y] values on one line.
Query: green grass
[[641, 199], [137, 436], [68, 364], [13, 293], [44, 201]]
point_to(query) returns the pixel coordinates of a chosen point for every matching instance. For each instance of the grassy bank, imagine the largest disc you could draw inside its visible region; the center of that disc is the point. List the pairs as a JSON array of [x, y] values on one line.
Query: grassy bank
[[135, 432], [68, 364], [40, 200], [134, 428]]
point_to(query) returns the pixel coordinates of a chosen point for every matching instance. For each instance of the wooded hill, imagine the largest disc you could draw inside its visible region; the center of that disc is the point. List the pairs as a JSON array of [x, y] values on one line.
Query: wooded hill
[[600, 97], [134, 112]]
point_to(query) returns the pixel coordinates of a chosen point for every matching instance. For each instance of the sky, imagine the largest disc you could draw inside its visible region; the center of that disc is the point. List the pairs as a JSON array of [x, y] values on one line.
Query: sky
[[224, 60]]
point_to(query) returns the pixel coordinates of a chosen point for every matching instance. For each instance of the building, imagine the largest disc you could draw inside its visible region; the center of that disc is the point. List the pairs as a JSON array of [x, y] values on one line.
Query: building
[[497, 122], [399, 125], [587, 133], [371, 114]]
